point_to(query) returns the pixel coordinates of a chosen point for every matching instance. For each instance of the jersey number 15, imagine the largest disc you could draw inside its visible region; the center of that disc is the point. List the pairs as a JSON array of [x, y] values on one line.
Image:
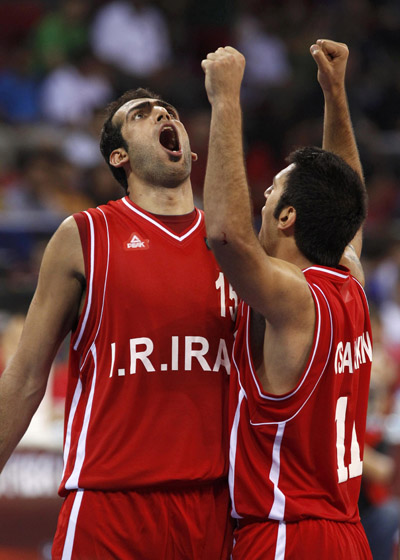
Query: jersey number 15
[[220, 285]]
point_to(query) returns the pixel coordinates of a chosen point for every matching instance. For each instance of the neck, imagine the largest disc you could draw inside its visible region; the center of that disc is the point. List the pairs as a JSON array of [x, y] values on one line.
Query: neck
[[289, 252], [161, 200]]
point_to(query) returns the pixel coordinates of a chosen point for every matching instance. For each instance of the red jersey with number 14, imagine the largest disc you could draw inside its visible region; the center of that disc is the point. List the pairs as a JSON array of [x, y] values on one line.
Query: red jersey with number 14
[[150, 357], [299, 455]]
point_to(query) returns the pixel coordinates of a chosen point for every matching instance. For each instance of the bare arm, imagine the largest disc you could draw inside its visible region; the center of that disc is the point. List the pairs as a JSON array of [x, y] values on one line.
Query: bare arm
[[267, 284], [52, 314], [273, 287], [338, 134]]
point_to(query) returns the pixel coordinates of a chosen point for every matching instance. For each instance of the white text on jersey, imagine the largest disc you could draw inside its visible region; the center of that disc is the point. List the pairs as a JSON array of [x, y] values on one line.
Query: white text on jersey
[[196, 348], [349, 355]]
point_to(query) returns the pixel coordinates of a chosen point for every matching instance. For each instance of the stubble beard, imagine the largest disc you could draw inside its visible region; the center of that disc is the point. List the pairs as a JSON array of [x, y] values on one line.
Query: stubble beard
[[159, 173]]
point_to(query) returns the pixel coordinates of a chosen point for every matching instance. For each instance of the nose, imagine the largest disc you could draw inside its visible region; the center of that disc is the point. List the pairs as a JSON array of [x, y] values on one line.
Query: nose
[[162, 114]]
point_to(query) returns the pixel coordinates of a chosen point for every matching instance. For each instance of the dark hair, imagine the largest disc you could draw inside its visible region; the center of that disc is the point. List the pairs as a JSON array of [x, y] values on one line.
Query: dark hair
[[111, 136], [330, 202]]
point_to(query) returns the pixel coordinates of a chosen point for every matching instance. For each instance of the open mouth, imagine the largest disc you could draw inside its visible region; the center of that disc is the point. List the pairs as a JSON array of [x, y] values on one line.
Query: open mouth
[[169, 140]]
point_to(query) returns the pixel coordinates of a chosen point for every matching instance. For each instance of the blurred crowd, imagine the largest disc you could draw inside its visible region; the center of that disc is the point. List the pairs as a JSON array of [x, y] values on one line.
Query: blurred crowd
[[62, 61]]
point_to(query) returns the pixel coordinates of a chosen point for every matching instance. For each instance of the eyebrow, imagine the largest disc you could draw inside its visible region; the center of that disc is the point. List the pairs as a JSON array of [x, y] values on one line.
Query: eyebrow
[[148, 104]]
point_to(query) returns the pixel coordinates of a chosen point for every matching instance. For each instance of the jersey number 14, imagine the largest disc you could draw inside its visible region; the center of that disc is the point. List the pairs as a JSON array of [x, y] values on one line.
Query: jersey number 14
[[355, 467]]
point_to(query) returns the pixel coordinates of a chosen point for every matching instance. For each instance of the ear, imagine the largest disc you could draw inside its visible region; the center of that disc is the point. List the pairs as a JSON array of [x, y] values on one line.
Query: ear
[[194, 157], [119, 157], [287, 218]]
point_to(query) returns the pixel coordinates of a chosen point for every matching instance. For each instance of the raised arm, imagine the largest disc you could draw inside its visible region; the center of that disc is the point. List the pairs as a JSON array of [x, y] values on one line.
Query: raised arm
[[273, 287], [52, 314], [264, 282], [338, 134]]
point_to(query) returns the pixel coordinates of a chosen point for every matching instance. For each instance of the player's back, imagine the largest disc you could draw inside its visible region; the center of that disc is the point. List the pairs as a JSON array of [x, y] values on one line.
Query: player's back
[[299, 455]]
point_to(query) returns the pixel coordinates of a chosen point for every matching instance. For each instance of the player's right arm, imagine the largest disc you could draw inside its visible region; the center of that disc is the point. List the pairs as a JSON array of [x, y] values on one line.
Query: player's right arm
[[53, 312]]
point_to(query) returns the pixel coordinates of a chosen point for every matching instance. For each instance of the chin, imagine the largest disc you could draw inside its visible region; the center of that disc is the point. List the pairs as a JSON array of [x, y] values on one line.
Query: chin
[[175, 179]]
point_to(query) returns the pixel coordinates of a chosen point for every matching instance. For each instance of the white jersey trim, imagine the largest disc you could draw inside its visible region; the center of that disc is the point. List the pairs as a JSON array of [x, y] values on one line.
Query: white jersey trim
[[104, 288], [362, 291], [160, 226], [319, 378], [281, 542], [71, 415], [73, 480], [254, 375], [328, 271], [70, 537], [90, 286], [277, 511], [232, 453]]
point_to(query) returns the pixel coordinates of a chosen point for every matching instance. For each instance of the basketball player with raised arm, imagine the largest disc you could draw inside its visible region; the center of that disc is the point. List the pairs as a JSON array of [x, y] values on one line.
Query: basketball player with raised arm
[[303, 349], [151, 318]]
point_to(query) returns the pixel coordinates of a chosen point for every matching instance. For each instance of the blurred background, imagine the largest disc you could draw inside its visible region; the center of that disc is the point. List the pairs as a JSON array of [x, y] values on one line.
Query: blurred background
[[62, 61]]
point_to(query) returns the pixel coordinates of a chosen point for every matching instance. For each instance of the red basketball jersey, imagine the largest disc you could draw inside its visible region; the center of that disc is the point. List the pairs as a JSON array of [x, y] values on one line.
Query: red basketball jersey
[[299, 455], [150, 357]]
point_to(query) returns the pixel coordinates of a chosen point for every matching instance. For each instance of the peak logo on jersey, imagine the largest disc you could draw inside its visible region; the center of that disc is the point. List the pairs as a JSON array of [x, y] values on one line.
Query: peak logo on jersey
[[135, 242]]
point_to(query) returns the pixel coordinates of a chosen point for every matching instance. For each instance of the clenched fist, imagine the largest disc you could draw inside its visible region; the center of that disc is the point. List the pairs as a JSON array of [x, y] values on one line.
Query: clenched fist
[[224, 70], [331, 58]]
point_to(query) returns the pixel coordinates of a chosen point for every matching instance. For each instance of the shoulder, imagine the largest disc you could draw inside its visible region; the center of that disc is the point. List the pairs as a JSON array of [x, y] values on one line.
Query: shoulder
[[64, 249], [67, 232]]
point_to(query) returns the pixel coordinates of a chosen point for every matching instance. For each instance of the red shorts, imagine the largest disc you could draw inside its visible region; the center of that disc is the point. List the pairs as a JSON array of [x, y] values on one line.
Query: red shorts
[[311, 539], [185, 524]]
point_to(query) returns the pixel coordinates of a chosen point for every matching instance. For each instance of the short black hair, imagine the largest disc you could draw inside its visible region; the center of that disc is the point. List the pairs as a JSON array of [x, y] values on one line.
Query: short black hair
[[111, 136], [330, 201]]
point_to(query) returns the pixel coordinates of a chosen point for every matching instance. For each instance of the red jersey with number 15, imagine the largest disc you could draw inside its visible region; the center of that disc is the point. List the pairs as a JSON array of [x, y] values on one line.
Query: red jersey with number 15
[[150, 357], [299, 455]]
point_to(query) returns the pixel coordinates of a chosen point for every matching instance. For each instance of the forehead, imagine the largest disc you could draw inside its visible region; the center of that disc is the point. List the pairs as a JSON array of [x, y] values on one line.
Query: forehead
[[280, 178], [131, 104], [284, 172], [122, 112]]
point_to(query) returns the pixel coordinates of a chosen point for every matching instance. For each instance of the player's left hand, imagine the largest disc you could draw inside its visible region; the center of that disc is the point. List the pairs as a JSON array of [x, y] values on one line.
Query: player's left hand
[[224, 71], [331, 58]]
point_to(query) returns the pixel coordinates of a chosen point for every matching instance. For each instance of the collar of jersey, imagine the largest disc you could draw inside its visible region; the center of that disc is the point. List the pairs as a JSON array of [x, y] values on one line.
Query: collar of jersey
[[339, 274], [153, 220]]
